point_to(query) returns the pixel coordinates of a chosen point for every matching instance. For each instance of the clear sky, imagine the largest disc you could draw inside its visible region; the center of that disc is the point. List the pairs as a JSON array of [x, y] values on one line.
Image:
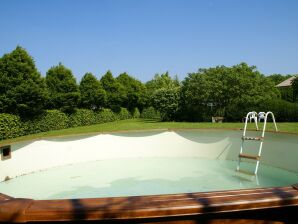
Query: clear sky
[[144, 37]]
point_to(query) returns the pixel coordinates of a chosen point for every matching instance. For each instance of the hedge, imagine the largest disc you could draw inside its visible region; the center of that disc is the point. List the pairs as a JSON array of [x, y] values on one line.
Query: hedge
[[50, 120], [283, 111], [123, 114], [150, 113], [136, 113], [105, 115], [10, 126], [82, 117]]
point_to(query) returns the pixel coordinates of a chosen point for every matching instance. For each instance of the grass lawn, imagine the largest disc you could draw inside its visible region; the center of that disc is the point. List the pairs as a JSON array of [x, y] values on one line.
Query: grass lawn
[[143, 124]]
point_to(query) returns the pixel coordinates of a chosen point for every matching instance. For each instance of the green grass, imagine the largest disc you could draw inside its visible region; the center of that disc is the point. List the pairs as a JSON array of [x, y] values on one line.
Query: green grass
[[145, 124]]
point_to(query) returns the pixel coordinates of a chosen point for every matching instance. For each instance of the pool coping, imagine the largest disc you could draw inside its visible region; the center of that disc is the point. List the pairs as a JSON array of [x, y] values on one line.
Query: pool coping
[[232, 204]]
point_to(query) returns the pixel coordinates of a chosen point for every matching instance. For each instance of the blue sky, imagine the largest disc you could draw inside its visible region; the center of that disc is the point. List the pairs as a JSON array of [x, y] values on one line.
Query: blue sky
[[144, 37]]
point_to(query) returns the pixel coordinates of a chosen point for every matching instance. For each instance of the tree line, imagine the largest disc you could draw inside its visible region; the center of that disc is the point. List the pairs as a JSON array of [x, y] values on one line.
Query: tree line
[[219, 91]]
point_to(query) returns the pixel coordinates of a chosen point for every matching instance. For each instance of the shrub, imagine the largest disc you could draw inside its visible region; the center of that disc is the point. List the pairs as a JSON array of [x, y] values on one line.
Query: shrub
[[105, 115], [10, 126], [123, 114], [283, 111], [167, 101], [237, 111], [50, 120], [82, 117], [136, 113], [150, 113]]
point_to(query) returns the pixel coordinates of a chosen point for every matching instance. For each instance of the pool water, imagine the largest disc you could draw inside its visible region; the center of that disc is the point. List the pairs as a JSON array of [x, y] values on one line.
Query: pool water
[[142, 176]]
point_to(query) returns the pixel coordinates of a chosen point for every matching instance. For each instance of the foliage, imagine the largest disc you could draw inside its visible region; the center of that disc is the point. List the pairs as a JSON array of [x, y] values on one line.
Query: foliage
[[116, 95], [167, 101], [49, 120], [106, 115], [123, 114], [162, 81], [136, 113], [215, 89], [82, 117], [10, 126], [22, 89], [134, 90], [278, 78], [283, 111], [93, 96], [161, 86], [295, 89], [286, 93], [219, 91], [150, 113], [64, 92]]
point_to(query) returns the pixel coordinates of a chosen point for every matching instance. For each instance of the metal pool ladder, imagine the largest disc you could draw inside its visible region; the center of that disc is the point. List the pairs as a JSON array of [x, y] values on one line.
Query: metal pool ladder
[[261, 139]]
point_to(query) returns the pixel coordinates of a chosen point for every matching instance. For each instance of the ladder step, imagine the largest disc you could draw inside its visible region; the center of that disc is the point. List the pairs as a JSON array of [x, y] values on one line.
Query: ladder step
[[252, 138], [246, 172], [246, 156]]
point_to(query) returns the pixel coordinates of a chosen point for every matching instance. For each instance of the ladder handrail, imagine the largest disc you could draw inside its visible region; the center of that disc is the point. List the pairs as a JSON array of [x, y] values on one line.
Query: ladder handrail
[[253, 113], [265, 122], [246, 121]]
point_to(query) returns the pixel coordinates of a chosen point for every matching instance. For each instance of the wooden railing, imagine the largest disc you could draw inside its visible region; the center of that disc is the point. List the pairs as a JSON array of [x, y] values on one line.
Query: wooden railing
[[263, 205]]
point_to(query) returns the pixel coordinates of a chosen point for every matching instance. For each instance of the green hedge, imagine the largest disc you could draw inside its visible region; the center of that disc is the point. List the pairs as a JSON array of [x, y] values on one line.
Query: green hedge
[[10, 126], [82, 117], [50, 120], [283, 111], [106, 115], [136, 113], [150, 113], [123, 114]]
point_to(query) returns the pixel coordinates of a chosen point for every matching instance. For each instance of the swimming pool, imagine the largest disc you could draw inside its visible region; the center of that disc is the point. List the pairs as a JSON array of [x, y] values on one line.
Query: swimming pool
[[144, 163]]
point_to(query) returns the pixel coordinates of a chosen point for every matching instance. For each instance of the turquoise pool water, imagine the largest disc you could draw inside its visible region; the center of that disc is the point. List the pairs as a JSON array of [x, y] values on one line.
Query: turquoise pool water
[[142, 176]]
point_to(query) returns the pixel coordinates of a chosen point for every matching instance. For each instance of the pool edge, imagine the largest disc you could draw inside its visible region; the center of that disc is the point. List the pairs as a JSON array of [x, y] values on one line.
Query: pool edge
[[135, 130], [261, 203]]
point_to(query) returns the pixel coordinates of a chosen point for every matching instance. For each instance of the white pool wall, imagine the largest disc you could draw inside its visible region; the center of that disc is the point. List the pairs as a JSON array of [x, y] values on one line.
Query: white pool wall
[[279, 150], [43, 154]]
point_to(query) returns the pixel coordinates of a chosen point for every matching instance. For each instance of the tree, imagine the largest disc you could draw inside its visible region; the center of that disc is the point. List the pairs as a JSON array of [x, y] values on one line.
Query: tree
[[162, 81], [167, 101], [285, 93], [295, 89], [22, 89], [278, 78], [93, 96], [134, 90], [241, 87], [163, 93], [63, 90], [116, 95]]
